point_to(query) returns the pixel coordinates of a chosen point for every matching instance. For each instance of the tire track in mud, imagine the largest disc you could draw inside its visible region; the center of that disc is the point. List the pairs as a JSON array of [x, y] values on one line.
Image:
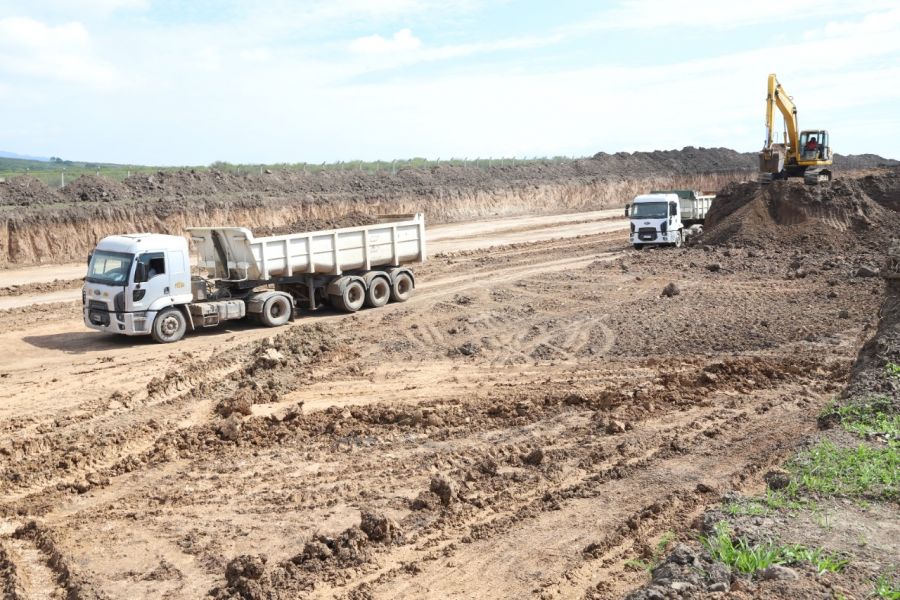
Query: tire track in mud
[[50, 462]]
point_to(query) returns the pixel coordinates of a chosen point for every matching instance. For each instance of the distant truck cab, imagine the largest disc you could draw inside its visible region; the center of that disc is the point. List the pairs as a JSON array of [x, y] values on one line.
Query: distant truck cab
[[667, 217]]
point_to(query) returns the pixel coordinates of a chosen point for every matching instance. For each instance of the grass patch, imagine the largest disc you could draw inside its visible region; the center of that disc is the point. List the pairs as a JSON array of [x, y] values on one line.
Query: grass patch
[[887, 588], [661, 546], [892, 369], [874, 417], [861, 471], [749, 558], [755, 507]]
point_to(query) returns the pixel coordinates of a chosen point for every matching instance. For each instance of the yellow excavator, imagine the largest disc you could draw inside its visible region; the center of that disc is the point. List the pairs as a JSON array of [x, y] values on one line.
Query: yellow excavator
[[804, 153]]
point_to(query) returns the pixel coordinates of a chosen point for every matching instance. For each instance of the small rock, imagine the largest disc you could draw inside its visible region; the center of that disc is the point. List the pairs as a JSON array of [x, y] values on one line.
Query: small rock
[[614, 427], [719, 586], [681, 586], [832, 294], [468, 349], [379, 528], [445, 488], [534, 458], [777, 479], [779, 572], [251, 567], [670, 290], [230, 429], [844, 314], [866, 271], [714, 267]]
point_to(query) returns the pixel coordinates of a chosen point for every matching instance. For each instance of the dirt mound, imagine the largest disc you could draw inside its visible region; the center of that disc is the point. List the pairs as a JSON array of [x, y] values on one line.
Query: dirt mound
[[93, 188], [792, 213], [25, 190], [352, 219]]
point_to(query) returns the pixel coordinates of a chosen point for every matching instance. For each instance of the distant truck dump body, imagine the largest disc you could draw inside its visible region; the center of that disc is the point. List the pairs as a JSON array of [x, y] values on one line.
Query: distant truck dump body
[[667, 217], [141, 284]]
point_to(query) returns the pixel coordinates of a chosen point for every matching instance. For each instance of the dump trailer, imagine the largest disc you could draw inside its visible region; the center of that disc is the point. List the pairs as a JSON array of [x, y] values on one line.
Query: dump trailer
[[143, 284], [667, 217]]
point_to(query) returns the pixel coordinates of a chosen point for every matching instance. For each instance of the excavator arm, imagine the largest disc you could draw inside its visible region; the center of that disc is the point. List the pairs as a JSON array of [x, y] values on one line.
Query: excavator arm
[[777, 97]]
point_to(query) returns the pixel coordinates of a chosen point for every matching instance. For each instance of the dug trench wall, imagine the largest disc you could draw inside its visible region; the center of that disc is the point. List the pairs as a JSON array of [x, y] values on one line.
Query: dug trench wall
[[43, 225]]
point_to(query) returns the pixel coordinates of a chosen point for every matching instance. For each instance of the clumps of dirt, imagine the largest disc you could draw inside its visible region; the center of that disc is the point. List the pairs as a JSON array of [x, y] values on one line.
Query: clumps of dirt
[[354, 218], [25, 190], [831, 215], [41, 287], [322, 558], [685, 573], [93, 188], [11, 584]]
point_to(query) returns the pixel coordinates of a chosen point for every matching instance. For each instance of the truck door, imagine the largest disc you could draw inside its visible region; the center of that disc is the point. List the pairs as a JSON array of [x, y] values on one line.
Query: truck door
[[179, 273], [155, 286]]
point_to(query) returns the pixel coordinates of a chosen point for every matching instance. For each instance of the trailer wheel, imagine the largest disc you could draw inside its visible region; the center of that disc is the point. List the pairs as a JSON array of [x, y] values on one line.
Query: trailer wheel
[[276, 311], [351, 299], [379, 292], [402, 288], [169, 326]]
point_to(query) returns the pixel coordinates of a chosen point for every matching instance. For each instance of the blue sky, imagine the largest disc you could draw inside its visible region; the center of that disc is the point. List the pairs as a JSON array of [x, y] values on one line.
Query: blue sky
[[178, 83]]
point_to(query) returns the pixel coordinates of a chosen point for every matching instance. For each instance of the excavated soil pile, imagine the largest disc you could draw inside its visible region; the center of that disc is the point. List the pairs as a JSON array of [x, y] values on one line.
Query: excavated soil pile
[[93, 188], [830, 216], [26, 191], [352, 219]]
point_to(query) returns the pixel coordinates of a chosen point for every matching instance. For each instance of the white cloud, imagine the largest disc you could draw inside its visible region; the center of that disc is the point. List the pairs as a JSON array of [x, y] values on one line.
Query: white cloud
[[62, 52], [402, 41], [255, 55]]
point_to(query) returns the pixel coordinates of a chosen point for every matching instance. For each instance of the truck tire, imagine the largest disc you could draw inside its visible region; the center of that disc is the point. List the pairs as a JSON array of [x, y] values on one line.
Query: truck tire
[[351, 299], [276, 311], [679, 239], [169, 326], [379, 292], [402, 288]]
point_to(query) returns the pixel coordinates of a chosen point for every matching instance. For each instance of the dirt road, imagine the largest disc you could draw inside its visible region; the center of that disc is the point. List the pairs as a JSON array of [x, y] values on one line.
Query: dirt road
[[61, 283], [535, 416]]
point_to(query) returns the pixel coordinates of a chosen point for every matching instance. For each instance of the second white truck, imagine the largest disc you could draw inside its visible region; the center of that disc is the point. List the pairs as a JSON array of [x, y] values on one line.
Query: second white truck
[[667, 217], [141, 284]]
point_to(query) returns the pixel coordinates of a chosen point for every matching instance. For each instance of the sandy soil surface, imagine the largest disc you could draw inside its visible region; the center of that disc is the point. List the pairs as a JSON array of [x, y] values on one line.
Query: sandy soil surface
[[526, 423]]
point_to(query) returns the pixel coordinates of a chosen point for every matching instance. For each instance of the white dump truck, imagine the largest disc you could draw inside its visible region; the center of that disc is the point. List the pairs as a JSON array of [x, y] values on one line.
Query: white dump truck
[[142, 284], [667, 217]]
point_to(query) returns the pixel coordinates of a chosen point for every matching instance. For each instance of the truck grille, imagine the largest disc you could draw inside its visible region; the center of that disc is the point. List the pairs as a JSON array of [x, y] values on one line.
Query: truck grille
[[98, 313], [647, 234]]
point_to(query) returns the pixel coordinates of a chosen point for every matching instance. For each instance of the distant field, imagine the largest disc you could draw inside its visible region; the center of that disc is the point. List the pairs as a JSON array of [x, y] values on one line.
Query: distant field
[[55, 174]]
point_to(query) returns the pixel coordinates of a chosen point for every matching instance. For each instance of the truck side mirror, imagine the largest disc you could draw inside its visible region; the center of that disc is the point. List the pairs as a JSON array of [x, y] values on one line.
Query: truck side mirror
[[627, 209], [673, 209], [140, 272], [90, 256]]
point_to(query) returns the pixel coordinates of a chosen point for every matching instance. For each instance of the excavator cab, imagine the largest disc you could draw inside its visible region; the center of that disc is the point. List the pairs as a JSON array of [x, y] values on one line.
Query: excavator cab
[[814, 146]]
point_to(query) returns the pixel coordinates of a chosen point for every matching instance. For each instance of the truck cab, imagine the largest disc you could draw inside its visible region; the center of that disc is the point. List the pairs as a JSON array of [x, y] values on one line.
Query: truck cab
[[655, 219], [131, 278]]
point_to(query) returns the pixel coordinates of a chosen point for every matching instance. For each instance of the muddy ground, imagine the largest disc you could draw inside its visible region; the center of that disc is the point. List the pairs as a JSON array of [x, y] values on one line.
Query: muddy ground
[[533, 419]]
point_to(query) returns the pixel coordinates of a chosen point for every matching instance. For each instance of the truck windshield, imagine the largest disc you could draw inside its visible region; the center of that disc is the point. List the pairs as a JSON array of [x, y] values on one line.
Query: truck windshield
[[649, 210], [111, 268]]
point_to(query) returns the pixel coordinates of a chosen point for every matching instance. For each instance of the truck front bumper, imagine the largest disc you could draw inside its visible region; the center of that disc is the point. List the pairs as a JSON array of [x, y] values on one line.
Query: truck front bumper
[[655, 237], [127, 323]]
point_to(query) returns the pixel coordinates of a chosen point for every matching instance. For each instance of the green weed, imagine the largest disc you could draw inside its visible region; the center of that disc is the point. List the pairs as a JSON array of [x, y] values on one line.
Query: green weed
[[893, 369], [860, 471], [755, 507], [749, 558], [874, 417], [887, 588], [661, 546]]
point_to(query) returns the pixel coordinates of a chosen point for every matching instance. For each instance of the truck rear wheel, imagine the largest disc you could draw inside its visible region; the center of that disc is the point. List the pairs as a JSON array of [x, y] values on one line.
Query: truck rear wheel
[[402, 288], [276, 311], [351, 299], [379, 292], [169, 326]]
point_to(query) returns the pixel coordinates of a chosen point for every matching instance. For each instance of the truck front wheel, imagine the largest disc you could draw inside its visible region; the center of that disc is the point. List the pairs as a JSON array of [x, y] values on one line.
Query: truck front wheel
[[276, 311], [169, 326], [679, 239]]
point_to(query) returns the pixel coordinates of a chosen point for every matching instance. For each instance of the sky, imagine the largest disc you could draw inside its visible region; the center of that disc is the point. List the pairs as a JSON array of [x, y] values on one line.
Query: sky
[[272, 81]]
